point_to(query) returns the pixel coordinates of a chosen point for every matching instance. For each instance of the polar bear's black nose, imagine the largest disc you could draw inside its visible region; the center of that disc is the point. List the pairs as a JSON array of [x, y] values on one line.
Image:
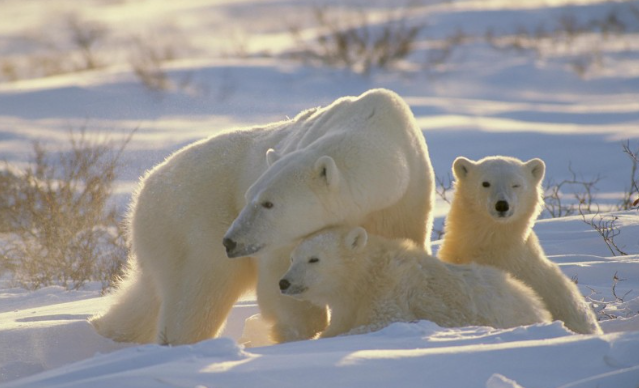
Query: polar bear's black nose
[[229, 244], [284, 284], [502, 206]]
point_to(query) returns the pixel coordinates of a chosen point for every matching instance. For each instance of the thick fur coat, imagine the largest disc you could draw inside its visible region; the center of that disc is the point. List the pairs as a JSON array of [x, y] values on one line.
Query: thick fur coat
[[369, 282], [249, 194], [495, 205]]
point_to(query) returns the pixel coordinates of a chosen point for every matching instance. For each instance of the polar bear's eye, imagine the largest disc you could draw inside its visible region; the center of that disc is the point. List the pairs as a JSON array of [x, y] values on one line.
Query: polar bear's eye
[[267, 204], [485, 184], [313, 260], [516, 186]]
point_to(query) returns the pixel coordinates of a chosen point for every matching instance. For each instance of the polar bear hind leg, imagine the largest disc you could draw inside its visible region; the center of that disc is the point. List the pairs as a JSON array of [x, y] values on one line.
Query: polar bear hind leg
[[133, 315]]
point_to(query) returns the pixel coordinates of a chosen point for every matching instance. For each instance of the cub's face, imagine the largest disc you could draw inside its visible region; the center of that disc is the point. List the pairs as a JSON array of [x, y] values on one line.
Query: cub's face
[[503, 188], [320, 264], [296, 196]]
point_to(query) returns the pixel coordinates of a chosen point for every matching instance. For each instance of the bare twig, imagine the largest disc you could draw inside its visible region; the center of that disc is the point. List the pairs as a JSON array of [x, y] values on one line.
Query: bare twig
[[631, 195], [615, 281], [601, 306], [444, 186], [582, 193], [607, 229]]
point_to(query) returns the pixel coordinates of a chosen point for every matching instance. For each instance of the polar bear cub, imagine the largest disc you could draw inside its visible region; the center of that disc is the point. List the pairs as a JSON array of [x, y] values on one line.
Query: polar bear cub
[[495, 205], [369, 282]]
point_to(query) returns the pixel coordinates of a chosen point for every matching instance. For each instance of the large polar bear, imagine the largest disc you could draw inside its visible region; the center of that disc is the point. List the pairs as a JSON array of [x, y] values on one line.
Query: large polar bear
[[361, 160], [369, 282], [495, 205]]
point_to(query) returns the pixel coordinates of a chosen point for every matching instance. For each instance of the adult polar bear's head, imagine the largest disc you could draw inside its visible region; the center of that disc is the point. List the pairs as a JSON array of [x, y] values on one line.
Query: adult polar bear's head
[[503, 188], [299, 194]]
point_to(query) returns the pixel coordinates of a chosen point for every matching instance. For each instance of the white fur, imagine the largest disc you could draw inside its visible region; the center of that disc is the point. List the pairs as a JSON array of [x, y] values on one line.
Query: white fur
[[475, 231], [361, 160], [369, 282]]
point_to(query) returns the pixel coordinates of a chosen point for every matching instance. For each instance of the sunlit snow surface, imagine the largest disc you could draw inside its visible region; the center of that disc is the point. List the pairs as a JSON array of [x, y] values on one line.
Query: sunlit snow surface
[[485, 103]]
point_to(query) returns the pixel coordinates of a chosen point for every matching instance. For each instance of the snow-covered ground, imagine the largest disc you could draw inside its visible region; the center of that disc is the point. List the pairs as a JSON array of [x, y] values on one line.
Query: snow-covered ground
[[479, 102], [47, 331]]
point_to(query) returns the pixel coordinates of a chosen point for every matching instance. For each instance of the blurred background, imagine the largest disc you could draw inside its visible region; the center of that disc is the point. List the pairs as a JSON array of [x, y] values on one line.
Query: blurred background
[[93, 93]]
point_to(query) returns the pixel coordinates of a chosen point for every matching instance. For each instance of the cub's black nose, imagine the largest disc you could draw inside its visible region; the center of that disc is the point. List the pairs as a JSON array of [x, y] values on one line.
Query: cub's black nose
[[284, 284], [229, 244], [502, 206]]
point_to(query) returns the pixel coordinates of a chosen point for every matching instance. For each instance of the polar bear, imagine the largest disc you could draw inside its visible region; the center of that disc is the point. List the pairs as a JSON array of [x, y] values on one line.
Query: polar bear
[[495, 205], [369, 282], [360, 160]]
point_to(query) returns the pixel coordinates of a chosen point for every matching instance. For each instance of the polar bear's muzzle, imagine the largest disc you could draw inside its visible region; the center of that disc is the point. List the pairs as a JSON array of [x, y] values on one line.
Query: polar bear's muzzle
[[502, 209], [290, 289], [235, 249]]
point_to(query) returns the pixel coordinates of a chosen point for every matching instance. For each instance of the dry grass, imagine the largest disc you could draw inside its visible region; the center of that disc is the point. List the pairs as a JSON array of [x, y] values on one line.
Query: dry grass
[[146, 61], [61, 227], [582, 43], [86, 37], [88, 45], [78, 49], [149, 52]]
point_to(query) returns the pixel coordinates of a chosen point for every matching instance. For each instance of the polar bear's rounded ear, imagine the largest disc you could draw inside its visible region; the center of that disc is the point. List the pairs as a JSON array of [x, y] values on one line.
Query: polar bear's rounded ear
[[271, 157], [326, 169], [537, 168], [356, 239], [461, 167]]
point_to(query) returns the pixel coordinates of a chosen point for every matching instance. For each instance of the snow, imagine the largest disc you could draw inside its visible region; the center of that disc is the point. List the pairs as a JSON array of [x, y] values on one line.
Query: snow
[[487, 102], [47, 331]]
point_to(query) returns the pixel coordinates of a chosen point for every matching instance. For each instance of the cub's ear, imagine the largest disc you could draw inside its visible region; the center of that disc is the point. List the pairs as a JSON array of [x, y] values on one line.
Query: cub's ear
[[537, 168], [271, 157], [461, 167], [356, 239], [326, 169]]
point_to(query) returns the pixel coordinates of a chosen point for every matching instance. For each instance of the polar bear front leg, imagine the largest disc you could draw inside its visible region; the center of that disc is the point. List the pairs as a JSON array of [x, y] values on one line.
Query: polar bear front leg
[[292, 320], [198, 298]]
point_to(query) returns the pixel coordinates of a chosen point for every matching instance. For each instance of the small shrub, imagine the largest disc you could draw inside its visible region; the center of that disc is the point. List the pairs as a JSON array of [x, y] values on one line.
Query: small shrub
[[580, 189], [577, 194], [62, 230], [146, 62], [581, 43], [147, 59], [77, 49], [605, 226], [606, 309], [444, 186], [442, 51], [581, 200], [8, 180], [631, 195], [85, 37], [9, 70], [354, 42]]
